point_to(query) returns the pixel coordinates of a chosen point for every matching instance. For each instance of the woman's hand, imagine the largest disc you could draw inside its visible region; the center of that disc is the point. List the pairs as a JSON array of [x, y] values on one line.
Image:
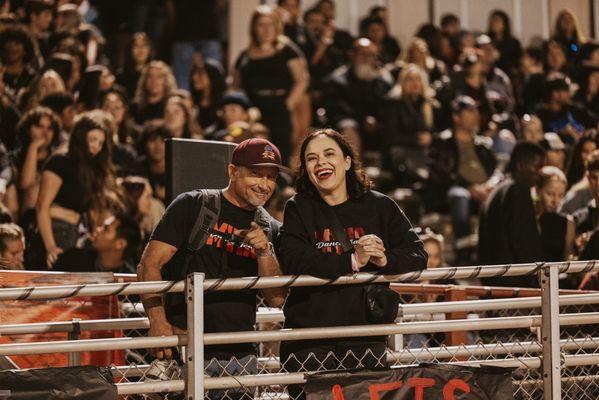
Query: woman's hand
[[373, 246], [52, 255]]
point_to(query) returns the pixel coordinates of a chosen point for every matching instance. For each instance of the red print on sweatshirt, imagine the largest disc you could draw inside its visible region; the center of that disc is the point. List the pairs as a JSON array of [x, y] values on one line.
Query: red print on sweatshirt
[[328, 243]]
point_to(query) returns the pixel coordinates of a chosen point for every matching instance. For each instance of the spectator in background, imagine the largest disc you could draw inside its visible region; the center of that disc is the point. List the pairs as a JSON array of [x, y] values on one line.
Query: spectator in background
[[155, 85], [207, 85], [9, 113], [19, 55], [533, 84], [195, 27], [559, 114], [272, 71], [508, 232], [464, 165], [115, 103], [532, 128], [557, 230], [114, 248], [568, 34], [63, 105], [555, 58], [138, 55], [40, 15], [289, 12], [507, 45], [73, 187], [451, 30], [389, 43], [12, 247], [588, 93], [417, 53], [496, 79], [357, 91], [587, 218], [38, 134], [141, 204], [179, 119], [50, 82], [341, 39], [373, 28], [151, 145], [579, 195]]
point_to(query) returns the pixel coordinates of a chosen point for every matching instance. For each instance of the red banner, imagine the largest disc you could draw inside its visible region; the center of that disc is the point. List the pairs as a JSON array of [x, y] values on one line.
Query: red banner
[[39, 311], [426, 382]]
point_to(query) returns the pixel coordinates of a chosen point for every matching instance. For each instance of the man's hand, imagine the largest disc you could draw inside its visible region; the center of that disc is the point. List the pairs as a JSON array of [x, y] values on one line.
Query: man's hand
[[161, 328], [255, 237], [373, 247]]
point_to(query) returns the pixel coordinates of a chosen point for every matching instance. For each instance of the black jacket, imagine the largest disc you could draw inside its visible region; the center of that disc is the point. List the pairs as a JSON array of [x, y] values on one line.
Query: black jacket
[[309, 247], [508, 233]]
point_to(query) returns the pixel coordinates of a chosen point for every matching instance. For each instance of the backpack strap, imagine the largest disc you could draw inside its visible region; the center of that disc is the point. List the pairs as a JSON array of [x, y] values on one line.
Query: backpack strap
[[207, 217], [265, 221]]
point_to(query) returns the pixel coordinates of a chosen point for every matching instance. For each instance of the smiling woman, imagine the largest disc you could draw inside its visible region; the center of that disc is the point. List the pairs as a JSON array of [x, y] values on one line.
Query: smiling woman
[[332, 192]]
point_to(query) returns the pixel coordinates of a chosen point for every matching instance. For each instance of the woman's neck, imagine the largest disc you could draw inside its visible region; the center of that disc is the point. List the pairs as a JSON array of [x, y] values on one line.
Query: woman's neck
[[335, 197]]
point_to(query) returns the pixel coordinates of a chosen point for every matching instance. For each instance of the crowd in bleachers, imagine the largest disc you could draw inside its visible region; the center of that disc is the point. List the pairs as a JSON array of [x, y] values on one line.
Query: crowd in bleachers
[[462, 127]]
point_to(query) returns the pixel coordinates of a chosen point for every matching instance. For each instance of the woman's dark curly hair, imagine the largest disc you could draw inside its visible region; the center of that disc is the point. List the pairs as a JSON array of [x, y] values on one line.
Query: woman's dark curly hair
[[21, 34], [357, 181], [30, 118]]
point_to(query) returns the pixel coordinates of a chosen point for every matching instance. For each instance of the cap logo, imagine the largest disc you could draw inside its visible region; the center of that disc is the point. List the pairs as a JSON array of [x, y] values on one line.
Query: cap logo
[[269, 153]]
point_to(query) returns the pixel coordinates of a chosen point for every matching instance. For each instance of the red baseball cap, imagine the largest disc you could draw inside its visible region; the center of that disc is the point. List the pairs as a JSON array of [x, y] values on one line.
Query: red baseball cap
[[258, 152]]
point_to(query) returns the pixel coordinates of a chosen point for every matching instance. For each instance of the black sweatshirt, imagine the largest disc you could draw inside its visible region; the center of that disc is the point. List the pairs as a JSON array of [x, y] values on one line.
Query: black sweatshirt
[[308, 246]]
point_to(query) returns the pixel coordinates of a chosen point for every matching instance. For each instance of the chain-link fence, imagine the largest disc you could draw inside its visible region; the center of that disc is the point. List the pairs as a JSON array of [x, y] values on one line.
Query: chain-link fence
[[461, 329]]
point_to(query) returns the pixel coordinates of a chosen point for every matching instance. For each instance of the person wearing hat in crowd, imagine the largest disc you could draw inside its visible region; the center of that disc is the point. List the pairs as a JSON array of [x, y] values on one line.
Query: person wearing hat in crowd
[[464, 164], [151, 144], [234, 107], [237, 245], [559, 114]]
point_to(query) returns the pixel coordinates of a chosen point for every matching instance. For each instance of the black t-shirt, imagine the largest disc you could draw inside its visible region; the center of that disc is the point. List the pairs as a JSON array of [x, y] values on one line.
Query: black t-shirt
[[196, 20], [220, 257], [69, 194]]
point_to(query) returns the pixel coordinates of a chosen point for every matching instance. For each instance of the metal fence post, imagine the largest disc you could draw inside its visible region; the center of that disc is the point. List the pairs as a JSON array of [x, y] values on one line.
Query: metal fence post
[[550, 333], [74, 359], [194, 296]]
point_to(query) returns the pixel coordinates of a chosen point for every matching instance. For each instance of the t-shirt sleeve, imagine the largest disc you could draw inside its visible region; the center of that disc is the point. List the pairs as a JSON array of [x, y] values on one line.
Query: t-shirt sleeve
[[291, 51], [57, 164], [177, 221], [405, 250], [298, 254]]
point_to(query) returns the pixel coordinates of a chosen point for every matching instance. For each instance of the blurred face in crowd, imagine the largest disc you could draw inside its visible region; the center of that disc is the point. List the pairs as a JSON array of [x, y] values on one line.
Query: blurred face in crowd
[[234, 113], [452, 28], [468, 120], [418, 51], [292, 7], [552, 194], [497, 25], [556, 158], [593, 178], [252, 186], [95, 141], [155, 82], [587, 148], [566, 23], [140, 50], [315, 23], [41, 21], [42, 131], [365, 59], [50, 82], [113, 104], [327, 166], [594, 58], [13, 52], [556, 58], [528, 172], [375, 32], [105, 237], [174, 117], [435, 254], [475, 76], [412, 85], [265, 29], [14, 254], [155, 149], [467, 41], [532, 128], [593, 83], [144, 203], [107, 80], [561, 96], [68, 118], [489, 55], [529, 64], [327, 8]]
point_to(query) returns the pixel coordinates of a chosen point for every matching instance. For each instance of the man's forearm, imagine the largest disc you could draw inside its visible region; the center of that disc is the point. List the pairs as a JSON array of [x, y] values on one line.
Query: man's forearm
[[152, 302], [269, 266]]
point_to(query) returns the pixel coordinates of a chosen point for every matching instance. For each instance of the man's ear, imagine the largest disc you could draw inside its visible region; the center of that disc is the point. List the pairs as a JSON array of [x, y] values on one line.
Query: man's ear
[[232, 171]]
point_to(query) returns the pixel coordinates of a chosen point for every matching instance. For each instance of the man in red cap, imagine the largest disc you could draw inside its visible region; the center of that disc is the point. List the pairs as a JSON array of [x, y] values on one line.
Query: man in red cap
[[238, 243]]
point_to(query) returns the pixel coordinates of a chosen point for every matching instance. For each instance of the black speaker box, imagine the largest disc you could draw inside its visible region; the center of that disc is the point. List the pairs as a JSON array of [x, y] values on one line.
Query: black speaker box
[[196, 164]]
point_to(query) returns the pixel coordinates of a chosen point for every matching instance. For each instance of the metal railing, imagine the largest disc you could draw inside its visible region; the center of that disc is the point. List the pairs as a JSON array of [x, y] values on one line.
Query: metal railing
[[554, 350]]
